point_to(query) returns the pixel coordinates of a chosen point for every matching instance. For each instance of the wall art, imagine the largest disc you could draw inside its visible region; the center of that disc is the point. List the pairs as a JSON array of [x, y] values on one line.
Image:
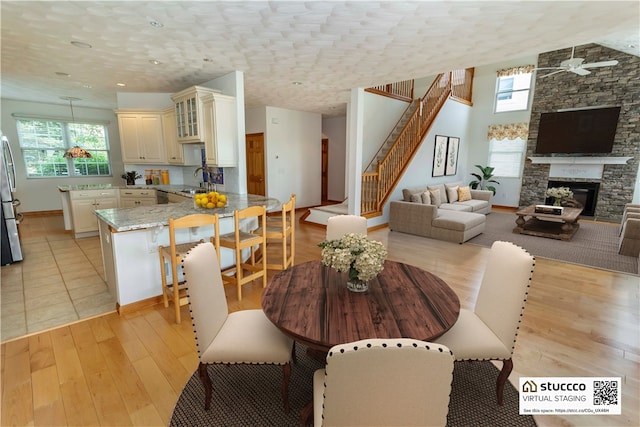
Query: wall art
[[439, 156], [452, 156]]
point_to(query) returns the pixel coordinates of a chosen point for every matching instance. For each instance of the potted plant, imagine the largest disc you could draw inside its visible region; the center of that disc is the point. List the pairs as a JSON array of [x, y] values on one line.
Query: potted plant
[[131, 177], [483, 179]]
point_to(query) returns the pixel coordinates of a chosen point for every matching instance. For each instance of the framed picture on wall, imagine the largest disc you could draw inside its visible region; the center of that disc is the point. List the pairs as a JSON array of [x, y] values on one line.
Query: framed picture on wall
[[452, 156], [439, 156]]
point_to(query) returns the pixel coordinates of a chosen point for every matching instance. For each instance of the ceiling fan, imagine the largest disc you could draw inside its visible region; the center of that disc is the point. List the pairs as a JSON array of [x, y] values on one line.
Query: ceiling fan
[[576, 66]]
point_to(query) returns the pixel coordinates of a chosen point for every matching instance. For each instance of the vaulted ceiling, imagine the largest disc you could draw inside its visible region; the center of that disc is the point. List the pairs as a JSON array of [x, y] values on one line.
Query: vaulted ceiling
[[301, 55]]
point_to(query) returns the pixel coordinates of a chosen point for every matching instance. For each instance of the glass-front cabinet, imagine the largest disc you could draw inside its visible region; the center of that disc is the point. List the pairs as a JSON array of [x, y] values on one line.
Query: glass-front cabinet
[[188, 108]]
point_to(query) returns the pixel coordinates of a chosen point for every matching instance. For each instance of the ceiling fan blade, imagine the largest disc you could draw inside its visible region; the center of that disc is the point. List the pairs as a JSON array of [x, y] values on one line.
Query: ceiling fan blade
[[600, 64], [580, 71], [550, 68], [551, 74]]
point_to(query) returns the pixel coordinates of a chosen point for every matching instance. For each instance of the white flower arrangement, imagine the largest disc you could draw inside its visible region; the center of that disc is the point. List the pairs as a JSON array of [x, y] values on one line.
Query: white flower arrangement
[[559, 192], [361, 257]]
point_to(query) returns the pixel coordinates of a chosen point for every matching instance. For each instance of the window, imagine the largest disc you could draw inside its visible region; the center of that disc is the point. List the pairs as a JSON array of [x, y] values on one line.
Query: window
[[45, 141], [513, 88], [507, 145], [506, 157]]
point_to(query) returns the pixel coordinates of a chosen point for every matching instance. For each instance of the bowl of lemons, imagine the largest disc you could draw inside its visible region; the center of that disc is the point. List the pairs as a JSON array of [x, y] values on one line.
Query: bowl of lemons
[[210, 200]]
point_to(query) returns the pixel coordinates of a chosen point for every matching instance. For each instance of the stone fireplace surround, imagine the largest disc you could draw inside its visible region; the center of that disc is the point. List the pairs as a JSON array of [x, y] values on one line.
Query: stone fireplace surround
[[603, 86]]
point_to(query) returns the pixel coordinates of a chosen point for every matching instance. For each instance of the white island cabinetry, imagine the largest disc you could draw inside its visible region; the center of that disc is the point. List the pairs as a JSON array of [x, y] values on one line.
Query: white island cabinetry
[[141, 136], [133, 197], [84, 203], [130, 238]]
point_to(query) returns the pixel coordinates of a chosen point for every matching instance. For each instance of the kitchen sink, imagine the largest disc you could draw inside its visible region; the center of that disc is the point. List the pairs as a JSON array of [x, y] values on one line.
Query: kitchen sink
[[193, 190]]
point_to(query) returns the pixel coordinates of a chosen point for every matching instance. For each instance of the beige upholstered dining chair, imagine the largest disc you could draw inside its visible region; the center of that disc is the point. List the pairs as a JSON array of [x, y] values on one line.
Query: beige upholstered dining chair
[[339, 225], [241, 337], [173, 253], [489, 331], [384, 382]]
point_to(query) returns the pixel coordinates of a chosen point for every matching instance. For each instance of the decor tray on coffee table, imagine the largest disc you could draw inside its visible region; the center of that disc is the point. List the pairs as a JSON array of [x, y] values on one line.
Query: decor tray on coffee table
[[554, 226]]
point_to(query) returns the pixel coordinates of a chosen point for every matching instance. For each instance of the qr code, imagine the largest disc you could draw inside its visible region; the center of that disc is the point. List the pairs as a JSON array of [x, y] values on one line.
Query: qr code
[[605, 392]]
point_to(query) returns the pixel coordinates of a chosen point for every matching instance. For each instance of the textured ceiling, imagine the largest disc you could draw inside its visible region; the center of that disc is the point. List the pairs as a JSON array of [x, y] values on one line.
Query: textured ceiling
[[328, 46]]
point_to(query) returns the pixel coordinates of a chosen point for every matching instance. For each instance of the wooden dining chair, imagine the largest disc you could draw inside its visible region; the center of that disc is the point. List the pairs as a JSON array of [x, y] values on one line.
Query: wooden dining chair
[[241, 337], [339, 225], [175, 291], [489, 331], [244, 240], [281, 235], [383, 382]]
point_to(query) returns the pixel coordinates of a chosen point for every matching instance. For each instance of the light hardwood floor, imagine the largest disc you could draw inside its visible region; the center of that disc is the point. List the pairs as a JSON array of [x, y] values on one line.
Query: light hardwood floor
[[129, 370]]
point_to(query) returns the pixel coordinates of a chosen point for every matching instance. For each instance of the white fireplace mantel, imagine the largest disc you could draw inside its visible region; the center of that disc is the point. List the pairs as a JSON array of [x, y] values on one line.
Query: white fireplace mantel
[[578, 167], [580, 160]]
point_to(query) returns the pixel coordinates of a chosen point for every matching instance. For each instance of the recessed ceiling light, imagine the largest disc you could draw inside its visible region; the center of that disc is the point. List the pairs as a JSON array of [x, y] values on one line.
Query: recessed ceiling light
[[156, 24], [87, 86], [61, 74], [81, 44], [207, 59], [296, 83], [155, 62], [120, 84]]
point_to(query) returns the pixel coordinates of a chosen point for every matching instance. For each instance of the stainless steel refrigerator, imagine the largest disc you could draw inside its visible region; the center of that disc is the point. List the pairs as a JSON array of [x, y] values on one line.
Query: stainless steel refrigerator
[[10, 243]]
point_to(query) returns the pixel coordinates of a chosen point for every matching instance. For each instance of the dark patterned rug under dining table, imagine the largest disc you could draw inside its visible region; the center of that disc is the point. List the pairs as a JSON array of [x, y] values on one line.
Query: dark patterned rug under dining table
[[246, 395]]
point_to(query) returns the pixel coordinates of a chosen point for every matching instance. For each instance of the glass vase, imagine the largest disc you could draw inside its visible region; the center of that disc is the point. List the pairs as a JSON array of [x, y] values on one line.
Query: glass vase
[[354, 284], [557, 201], [357, 285]]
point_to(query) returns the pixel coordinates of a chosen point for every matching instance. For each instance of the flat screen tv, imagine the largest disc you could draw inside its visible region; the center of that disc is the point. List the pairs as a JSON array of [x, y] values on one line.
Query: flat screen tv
[[578, 131]]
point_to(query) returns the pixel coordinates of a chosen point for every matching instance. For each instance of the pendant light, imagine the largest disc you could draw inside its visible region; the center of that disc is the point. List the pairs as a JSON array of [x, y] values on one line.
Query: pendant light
[[75, 151]]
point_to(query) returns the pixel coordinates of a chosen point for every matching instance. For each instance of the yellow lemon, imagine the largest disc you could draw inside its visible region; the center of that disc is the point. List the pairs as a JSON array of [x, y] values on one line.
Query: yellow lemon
[[220, 204], [222, 197], [210, 205]]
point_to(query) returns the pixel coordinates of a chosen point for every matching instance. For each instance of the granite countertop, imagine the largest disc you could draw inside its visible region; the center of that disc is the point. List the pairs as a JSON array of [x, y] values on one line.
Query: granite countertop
[[141, 217], [173, 188]]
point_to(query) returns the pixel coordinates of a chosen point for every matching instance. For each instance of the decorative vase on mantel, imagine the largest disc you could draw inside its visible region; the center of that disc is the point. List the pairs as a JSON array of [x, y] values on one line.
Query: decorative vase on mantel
[[557, 201], [354, 284]]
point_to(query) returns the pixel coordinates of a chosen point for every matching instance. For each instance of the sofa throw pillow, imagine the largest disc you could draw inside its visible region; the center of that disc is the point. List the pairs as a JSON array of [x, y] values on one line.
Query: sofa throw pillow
[[443, 193], [426, 198], [415, 198], [464, 194], [435, 197], [452, 193]]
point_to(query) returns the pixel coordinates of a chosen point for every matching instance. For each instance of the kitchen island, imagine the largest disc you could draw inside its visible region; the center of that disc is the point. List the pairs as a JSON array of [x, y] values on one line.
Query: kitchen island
[[130, 237]]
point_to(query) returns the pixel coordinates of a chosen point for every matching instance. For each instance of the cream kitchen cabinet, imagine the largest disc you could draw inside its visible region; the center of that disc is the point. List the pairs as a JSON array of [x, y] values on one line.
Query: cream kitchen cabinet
[[188, 110], [83, 205], [173, 149], [141, 136], [220, 130], [134, 197], [177, 153]]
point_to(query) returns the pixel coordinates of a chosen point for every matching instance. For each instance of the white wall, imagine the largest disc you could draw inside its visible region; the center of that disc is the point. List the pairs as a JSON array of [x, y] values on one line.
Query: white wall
[[381, 114], [335, 130], [293, 144], [482, 115], [41, 194], [453, 120]]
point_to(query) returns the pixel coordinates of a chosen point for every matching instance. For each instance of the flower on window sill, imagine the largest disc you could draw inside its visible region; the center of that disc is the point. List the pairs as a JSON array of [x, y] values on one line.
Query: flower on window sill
[[77, 152], [361, 257]]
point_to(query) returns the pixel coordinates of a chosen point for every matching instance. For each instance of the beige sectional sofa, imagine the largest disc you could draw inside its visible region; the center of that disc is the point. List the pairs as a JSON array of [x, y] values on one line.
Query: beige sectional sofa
[[424, 211]]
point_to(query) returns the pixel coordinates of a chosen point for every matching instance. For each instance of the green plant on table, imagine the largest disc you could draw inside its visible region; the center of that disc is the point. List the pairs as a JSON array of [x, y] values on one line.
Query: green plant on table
[[483, 179]]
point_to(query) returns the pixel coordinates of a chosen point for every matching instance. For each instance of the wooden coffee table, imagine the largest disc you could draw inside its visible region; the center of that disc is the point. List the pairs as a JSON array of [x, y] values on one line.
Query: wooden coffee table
[[561, 227]]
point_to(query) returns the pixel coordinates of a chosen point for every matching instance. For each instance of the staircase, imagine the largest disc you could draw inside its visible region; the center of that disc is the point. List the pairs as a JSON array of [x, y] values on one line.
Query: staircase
[[383, 173]]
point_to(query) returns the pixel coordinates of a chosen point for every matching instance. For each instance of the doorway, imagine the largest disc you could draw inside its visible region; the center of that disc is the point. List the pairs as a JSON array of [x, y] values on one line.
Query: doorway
[[325, 170], [255, 163]]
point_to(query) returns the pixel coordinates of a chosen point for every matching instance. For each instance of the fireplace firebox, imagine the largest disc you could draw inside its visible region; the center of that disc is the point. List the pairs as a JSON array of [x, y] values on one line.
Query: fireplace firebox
[[584, 192]]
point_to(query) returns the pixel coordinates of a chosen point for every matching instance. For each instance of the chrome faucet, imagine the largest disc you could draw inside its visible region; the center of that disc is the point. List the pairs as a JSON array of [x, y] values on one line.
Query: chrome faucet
[[210, 185]]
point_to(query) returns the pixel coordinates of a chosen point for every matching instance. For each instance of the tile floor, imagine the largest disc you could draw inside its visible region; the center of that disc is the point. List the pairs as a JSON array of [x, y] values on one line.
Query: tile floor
[[60, 281]]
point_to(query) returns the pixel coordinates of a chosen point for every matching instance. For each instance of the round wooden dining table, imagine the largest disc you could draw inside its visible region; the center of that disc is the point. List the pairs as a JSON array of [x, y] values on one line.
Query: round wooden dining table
[[310, 303]]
